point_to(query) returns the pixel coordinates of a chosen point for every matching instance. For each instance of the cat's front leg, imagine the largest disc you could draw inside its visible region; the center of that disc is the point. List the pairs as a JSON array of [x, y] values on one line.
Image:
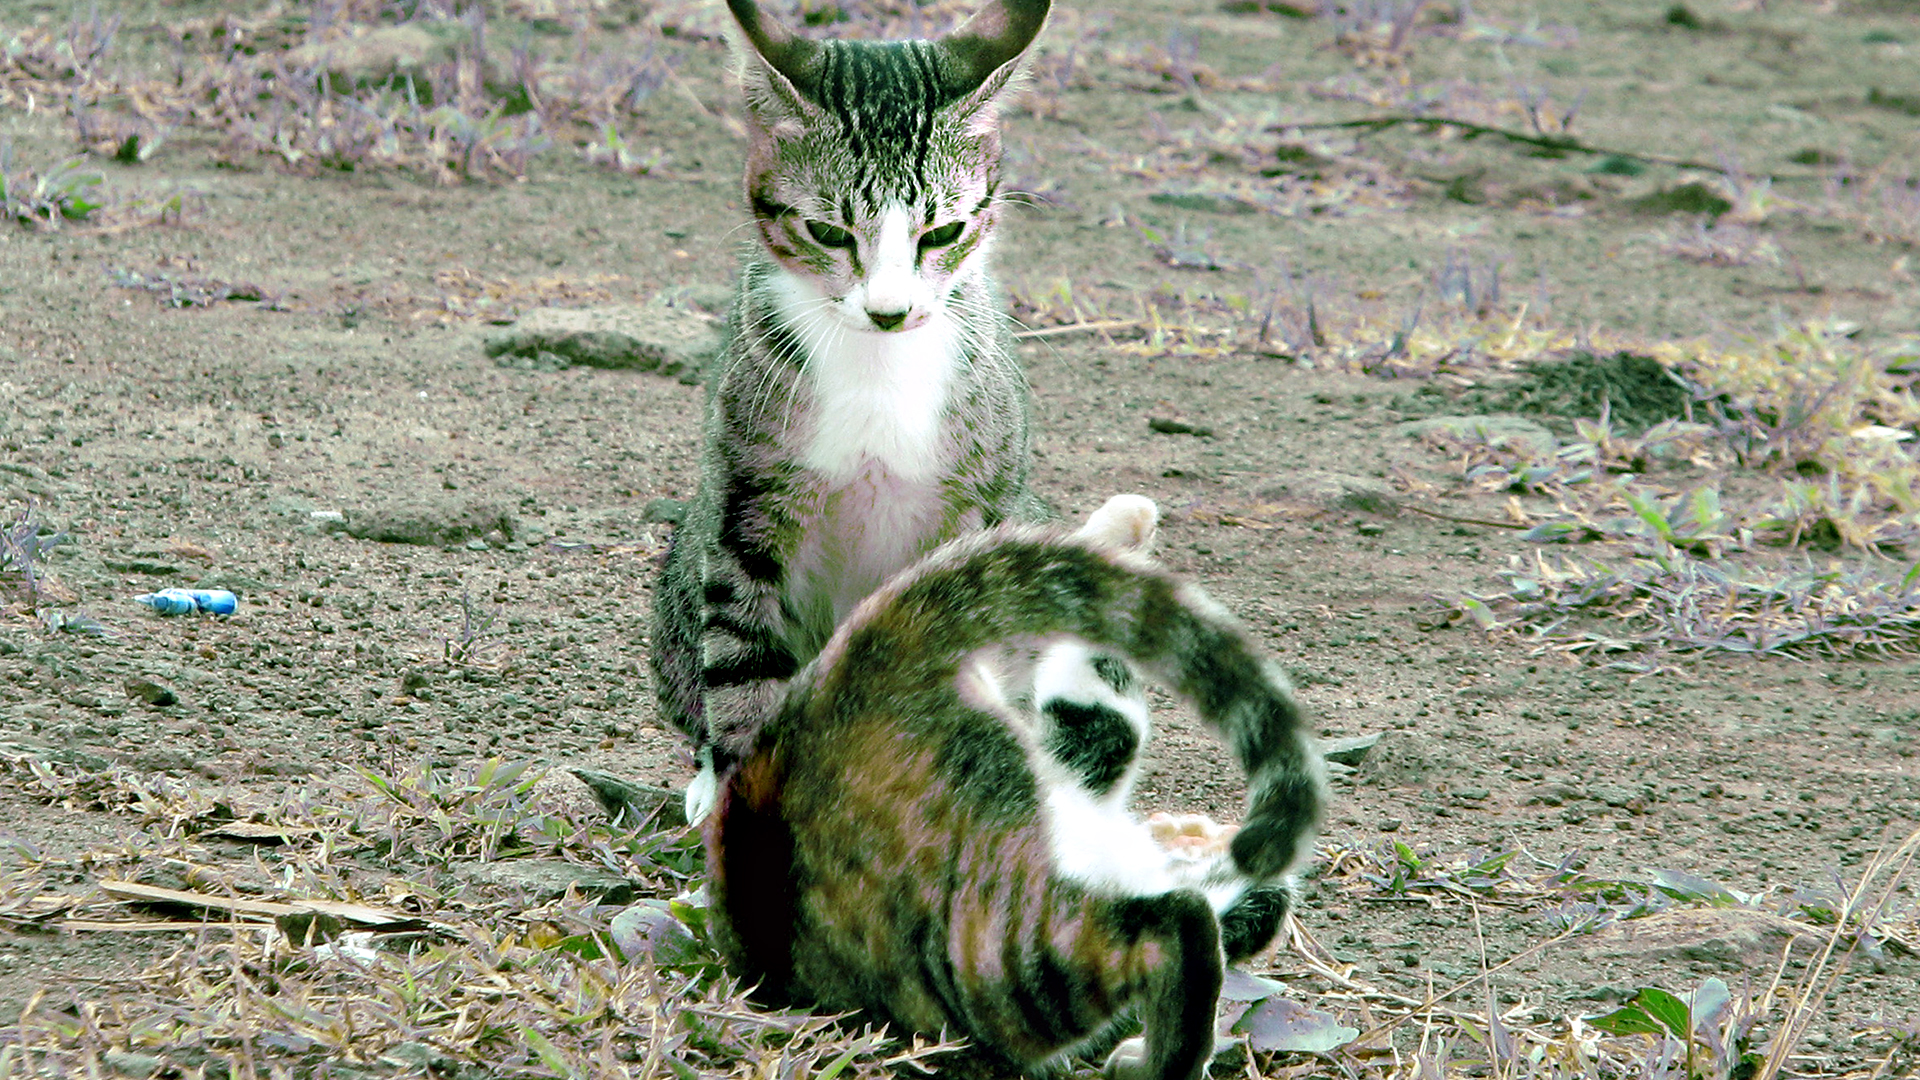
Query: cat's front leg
[[745, 665]]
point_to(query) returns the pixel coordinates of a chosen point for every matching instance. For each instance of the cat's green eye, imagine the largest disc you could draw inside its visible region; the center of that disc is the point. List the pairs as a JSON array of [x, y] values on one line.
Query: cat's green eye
[[942, 236], [830, 235]]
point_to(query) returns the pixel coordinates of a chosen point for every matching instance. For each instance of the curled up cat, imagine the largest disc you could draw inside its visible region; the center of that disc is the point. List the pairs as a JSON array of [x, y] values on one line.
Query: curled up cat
[[867, 407], [906, 839]]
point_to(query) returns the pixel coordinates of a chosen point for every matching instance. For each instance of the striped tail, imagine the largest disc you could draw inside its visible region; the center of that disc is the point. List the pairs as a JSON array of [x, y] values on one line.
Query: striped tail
[[1022, 582]]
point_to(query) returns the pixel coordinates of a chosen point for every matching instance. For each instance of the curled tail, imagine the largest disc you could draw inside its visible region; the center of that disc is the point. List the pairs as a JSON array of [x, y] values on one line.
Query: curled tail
[[1023, 582]]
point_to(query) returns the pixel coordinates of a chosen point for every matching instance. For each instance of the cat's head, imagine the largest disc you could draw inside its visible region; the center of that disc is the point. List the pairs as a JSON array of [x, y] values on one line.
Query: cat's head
[[872, 167]]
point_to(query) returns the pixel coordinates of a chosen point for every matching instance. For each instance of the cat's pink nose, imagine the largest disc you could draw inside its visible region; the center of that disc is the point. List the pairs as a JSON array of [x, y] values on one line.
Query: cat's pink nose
[[888, 320]]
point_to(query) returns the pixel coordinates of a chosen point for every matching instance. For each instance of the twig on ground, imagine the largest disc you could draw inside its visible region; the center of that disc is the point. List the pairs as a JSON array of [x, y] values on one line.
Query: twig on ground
[[1559, 143], [1103, 326]]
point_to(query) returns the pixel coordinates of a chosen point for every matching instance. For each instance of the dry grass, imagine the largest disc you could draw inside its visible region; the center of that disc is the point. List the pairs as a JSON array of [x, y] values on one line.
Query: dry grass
[[1806, 445], [353, 943]]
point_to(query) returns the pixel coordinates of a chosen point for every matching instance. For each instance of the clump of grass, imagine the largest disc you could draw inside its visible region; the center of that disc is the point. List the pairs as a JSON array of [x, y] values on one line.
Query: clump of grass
[[305, 964], [70, 195], [1711, 1031], [476, 638], [324, 94], [1631, 389], [43, 62], [1671, 602], [1724, 243], [1375, 33], [1832, 420], [1883, 204], [24, 544], [47, 200], [455, 976]]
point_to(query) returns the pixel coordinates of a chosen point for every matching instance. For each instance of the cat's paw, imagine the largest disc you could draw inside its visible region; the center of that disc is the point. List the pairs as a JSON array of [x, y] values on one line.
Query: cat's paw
[[1128, 1061], [702, 793], [1123, 523], [1191, 836]]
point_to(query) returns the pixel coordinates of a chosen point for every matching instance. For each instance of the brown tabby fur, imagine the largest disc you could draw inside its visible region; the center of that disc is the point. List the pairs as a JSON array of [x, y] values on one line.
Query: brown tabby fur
[[885, 846]]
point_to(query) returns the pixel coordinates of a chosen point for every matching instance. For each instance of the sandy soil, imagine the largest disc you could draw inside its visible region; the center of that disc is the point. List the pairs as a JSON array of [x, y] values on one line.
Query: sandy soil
[[181, 445]]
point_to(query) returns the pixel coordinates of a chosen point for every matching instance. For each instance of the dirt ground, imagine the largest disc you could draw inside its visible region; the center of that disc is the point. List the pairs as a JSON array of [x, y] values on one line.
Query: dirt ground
[[196, 444]]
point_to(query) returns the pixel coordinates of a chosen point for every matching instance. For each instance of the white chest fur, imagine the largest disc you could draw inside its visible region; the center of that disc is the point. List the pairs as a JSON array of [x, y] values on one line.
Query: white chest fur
[[878, 398], [874, 439]]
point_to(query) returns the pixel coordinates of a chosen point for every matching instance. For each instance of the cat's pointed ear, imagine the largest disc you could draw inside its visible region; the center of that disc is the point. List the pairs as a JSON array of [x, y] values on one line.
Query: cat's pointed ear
[[777, 65], [983, 54]]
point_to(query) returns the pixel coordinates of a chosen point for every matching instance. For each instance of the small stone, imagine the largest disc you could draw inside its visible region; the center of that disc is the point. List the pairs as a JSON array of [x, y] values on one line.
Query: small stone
[[664, 511], [1336, 491], [1212, 202], [1369, 528], [649, 929], [151, 692], [420, 1058], [1168, 425], [548, 879], [630, 804], [1410, 759], [1350, 751], [1498, 430], [436, 520], [152, 563], [1728, 938], [1391, 824], [128, 1063], [1619, 797], [646, 337]]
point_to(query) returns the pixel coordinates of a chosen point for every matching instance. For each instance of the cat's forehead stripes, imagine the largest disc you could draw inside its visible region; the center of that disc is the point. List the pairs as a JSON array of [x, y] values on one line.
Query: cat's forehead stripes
[[885, 96]]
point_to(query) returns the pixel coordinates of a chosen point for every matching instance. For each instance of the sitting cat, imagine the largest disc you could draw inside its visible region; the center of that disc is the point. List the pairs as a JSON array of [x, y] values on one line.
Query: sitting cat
[[903, 840], [867, 407]]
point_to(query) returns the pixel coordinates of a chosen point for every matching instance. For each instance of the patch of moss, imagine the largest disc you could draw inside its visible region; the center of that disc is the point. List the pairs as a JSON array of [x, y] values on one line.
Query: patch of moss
[[1639, 391], [1691, 198]]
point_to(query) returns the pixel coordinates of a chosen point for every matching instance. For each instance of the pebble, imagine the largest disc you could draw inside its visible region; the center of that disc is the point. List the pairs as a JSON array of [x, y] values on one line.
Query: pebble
[[151, 692], [1213, 202], [645, 337], [432, 520], [1167, 425], [630, 803], [1349, 751], [1333, 490], [1515, 431], [548, 879]]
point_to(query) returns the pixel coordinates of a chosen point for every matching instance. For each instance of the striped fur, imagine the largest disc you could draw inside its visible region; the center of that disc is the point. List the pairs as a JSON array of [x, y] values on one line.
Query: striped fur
[[867, 407], [892, 843]]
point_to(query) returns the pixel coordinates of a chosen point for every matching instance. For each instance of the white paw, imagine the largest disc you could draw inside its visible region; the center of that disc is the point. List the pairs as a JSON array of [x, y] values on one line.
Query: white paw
[[1124, 523], [1128, 1061], [1190, 836], [702, 793]]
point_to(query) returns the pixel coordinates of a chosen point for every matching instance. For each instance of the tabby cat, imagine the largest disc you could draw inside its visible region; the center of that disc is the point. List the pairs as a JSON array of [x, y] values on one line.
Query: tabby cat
[[867, 407], [901, 840]]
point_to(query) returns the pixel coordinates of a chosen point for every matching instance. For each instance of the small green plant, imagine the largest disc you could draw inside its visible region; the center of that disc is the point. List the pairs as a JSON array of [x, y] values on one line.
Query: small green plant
[[67, 193], [475, 638], [1715, 1038], [480, 813]]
